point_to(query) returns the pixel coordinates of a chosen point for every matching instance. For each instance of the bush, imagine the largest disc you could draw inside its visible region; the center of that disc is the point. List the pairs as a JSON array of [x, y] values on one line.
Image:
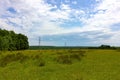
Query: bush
[[41, 63], [75, 56], [39, 60], [11, 58], [20, 57], [65, 59], [80, 52]]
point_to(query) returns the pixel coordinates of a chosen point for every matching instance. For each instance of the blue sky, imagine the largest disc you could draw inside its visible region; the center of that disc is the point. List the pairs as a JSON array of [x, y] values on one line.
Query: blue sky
[[76, 22]]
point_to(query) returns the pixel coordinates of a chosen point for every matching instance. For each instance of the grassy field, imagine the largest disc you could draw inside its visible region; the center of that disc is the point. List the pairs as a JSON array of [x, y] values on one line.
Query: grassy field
[[68, 64]]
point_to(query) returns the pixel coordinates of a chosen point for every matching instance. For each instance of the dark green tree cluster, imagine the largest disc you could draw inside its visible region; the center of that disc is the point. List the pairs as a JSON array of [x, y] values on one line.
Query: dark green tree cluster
[[9, 40], [107, 47]]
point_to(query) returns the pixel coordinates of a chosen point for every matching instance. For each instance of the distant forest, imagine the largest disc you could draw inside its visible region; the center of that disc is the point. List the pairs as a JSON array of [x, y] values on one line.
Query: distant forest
[[9, 40]]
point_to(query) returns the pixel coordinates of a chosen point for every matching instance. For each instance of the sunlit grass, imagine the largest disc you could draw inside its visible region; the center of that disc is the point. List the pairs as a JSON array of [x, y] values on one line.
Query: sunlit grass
[[43, 65]]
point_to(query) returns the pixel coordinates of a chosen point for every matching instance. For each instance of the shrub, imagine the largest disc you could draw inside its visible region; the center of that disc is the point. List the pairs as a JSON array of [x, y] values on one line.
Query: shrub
[[11, 58], [41, 63], [65, 59], [38, 59], [80, 52], [20, 57], [75, 56], [35, 57]]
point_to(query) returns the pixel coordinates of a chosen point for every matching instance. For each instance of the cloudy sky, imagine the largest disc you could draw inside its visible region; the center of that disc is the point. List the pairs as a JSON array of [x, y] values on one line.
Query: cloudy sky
[[76, 22]]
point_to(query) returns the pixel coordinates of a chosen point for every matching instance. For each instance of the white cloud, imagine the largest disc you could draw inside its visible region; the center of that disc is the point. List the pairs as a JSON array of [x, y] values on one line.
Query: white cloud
[[108, 15], [37, 11], [35, 17]]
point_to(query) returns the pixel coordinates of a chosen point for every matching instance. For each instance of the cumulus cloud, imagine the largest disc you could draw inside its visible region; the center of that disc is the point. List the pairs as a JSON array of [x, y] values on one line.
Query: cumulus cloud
[[107, 15], [41, 17], [38, 18]]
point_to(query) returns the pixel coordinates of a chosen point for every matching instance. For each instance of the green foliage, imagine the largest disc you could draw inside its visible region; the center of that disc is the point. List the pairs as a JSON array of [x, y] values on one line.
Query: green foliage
[[22, 42], [11, 41], [105, 47]]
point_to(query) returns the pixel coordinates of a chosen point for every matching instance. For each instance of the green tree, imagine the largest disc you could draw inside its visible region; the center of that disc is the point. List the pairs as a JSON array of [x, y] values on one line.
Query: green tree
[[9, 40], [1, 41], [4, 43], [22, 42]]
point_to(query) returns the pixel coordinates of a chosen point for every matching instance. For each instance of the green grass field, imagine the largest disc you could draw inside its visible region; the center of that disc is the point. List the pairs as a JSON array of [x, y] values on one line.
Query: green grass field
[[86, 64]]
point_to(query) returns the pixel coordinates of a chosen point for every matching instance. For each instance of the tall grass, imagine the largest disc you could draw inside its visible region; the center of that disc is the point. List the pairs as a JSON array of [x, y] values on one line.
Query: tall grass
[[61, 64], [12, 58], [69, 56]]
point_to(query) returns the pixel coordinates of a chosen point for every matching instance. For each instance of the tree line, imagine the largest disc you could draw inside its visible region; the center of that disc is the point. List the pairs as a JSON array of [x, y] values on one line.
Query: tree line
[[9, 40], [103, 47]]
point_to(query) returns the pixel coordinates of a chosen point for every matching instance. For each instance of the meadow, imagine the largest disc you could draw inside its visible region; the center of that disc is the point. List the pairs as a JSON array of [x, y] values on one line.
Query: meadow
[[60, 64]]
